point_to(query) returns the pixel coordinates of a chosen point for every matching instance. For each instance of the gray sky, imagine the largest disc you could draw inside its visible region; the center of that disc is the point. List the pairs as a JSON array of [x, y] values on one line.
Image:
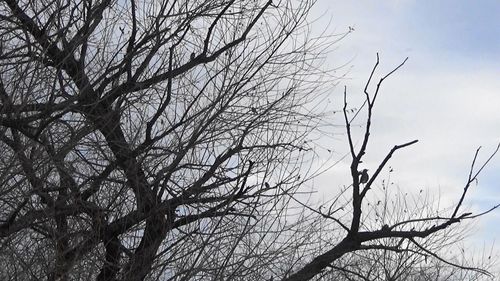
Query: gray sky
[[447, 95]]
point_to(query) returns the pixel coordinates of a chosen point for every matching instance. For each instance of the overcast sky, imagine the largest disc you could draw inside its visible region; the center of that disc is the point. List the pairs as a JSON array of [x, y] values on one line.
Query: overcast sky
[[447, 95]]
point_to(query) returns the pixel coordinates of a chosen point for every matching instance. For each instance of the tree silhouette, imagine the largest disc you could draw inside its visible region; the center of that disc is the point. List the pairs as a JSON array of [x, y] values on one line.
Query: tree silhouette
[[166, 140]]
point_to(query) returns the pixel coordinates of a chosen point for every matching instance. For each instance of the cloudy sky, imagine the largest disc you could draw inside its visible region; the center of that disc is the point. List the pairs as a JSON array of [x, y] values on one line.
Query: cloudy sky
[[447, 95]]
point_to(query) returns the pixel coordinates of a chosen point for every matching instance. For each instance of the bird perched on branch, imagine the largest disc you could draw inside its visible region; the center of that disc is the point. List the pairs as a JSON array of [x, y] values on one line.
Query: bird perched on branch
[[364, 176]]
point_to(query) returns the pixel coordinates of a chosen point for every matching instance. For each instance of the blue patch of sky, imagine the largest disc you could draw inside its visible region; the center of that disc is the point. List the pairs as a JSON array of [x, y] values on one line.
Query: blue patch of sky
[[468, 29]]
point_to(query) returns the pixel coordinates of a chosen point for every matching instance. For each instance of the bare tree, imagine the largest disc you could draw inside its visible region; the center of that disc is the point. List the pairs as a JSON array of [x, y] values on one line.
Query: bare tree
[[150, 138], [166, 140], [409, 231]]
